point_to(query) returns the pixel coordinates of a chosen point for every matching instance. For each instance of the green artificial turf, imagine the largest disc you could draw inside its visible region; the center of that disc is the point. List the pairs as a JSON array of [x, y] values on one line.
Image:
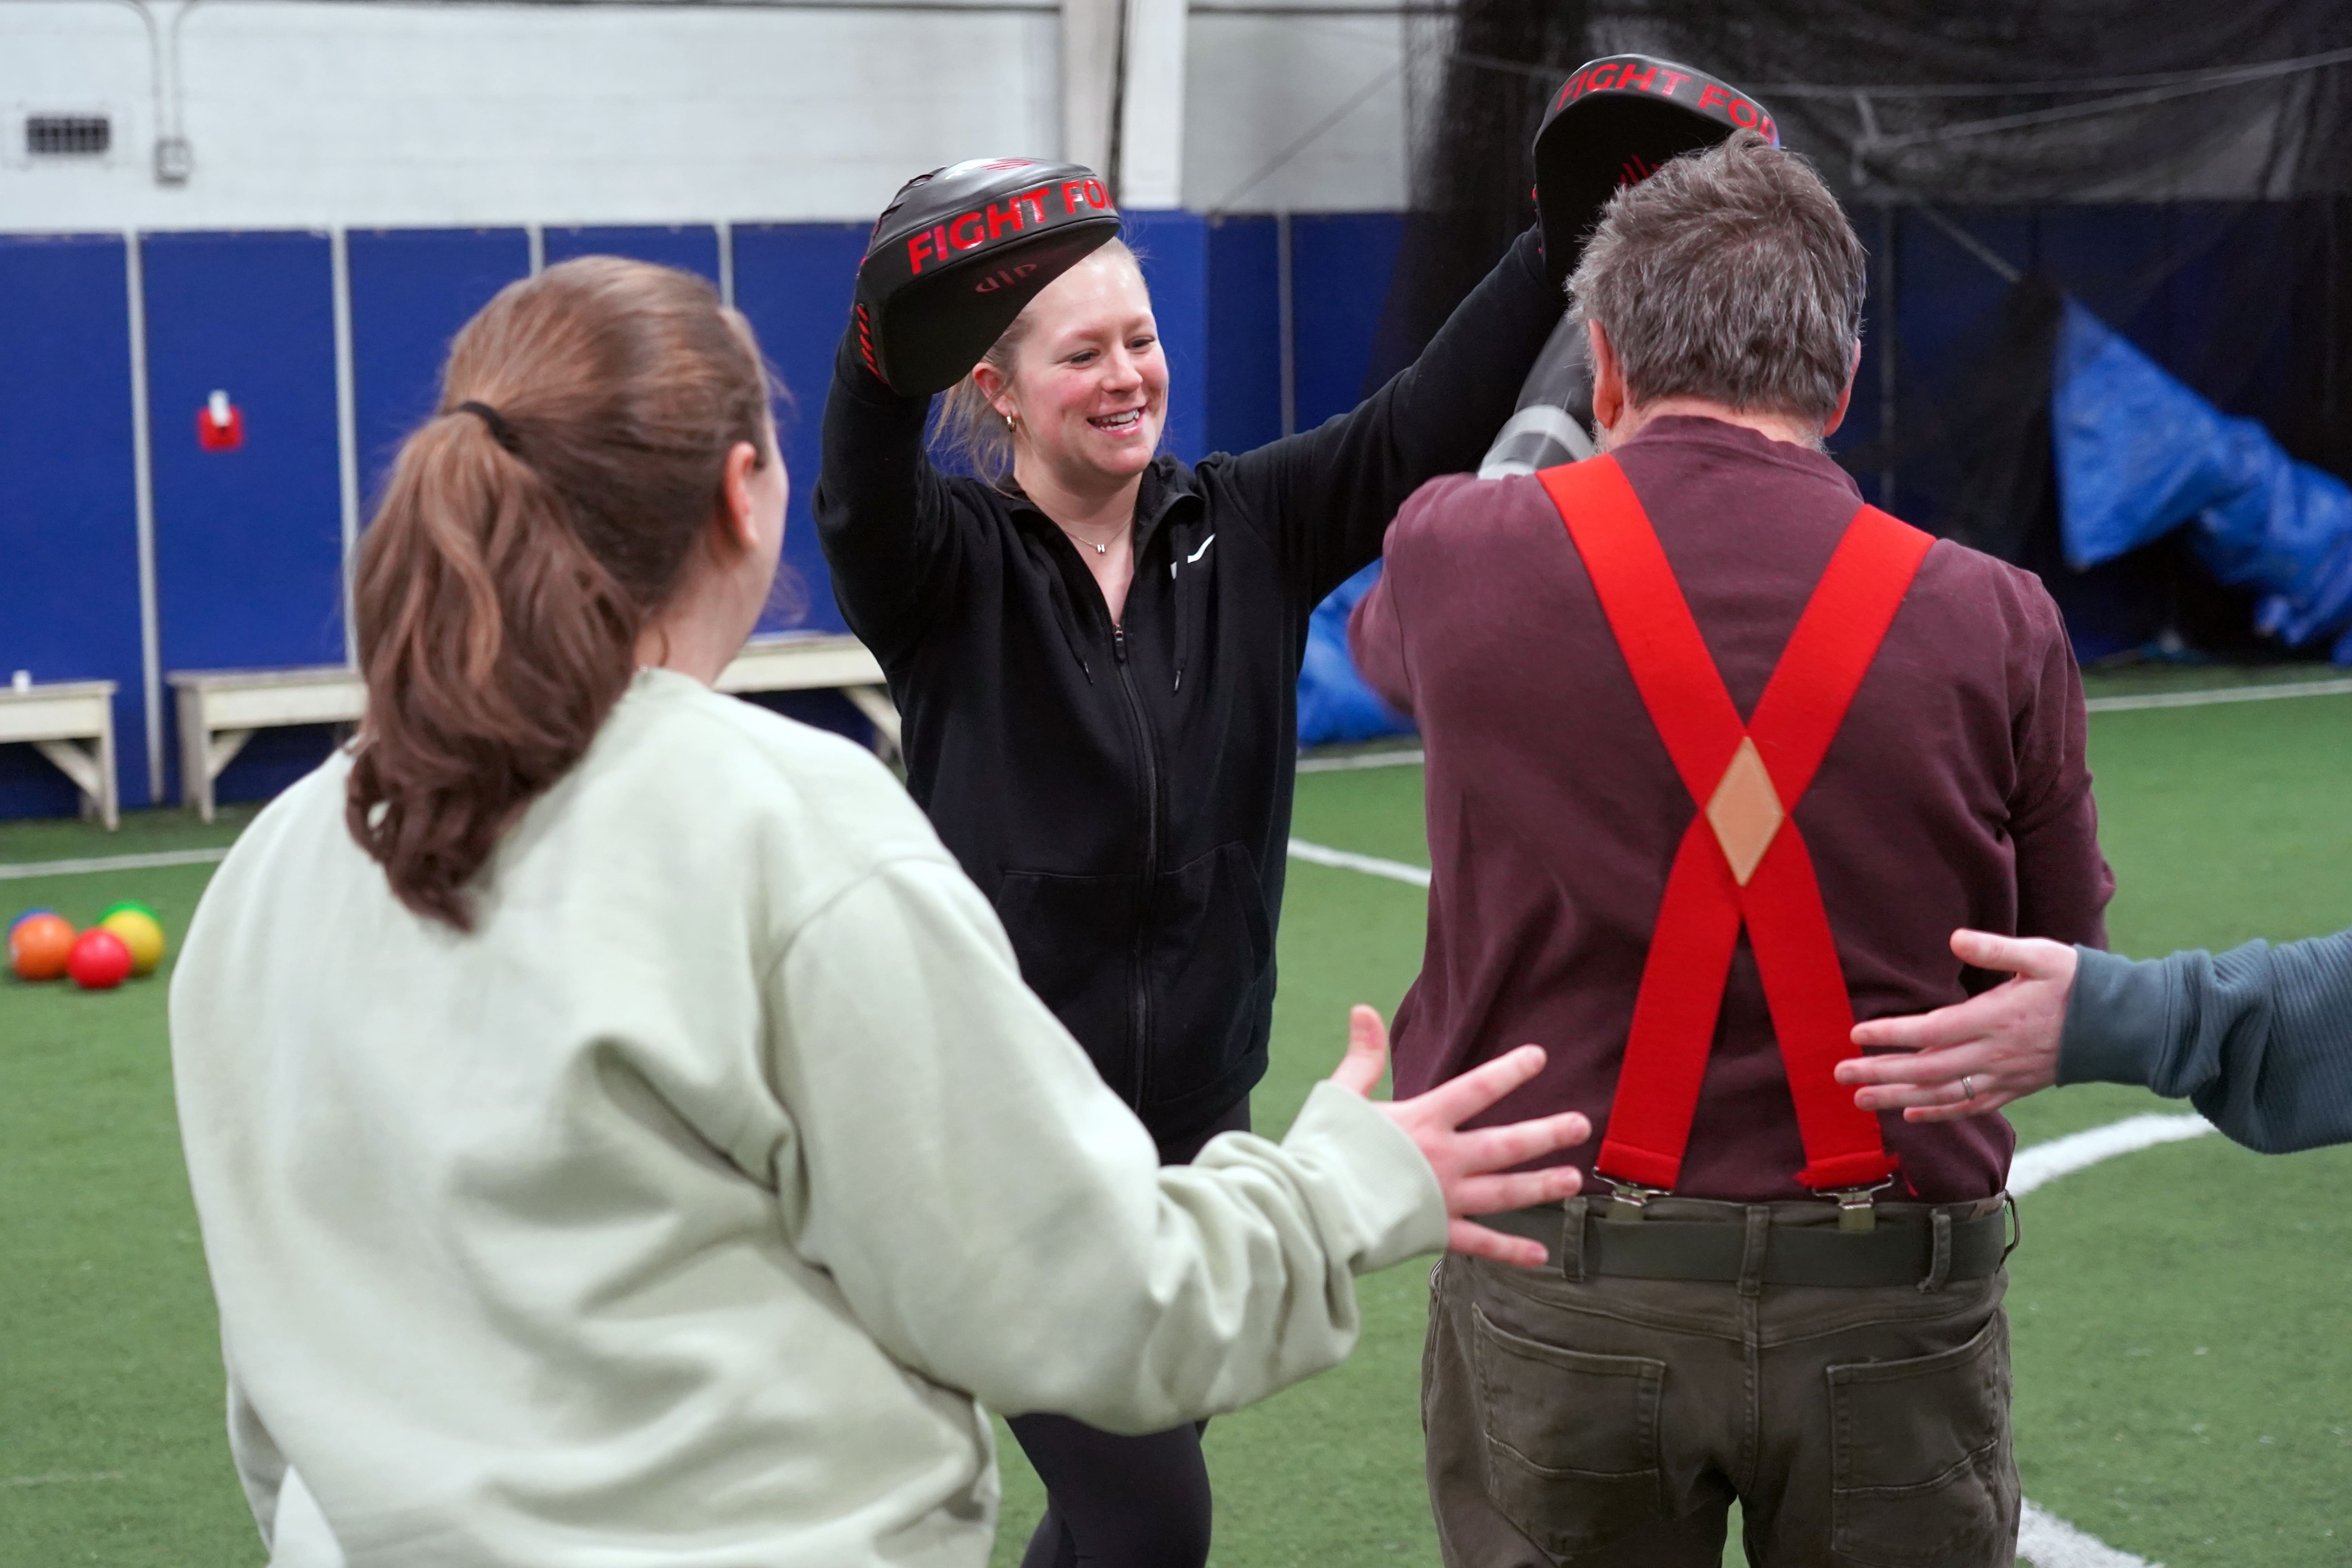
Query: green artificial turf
[[112, 1449], [2184, 1371], [2226, 823], [38, 839], [2222, 822]]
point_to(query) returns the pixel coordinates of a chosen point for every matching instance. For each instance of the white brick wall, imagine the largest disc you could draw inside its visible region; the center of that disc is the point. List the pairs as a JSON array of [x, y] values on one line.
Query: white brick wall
[[308, 114]]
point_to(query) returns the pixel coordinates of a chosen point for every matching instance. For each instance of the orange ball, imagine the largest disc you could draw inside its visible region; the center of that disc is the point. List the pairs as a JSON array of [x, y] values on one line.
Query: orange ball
[[99, 960], [39, 946]]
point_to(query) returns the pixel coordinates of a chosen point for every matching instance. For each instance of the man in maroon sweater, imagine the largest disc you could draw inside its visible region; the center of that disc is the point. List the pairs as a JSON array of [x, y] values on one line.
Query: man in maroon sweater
[[1777, 1305]]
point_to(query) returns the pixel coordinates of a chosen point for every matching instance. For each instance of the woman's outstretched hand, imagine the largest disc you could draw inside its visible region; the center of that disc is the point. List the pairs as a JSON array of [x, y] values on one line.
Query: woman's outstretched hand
[[1975, 1056], [1466, 1162]]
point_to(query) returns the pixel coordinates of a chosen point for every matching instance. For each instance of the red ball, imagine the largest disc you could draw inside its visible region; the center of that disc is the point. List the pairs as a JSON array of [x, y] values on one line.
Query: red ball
[[100, 960]]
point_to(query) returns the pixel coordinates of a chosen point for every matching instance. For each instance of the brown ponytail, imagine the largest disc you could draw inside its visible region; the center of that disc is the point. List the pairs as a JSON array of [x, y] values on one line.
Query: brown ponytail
[[520, 549]]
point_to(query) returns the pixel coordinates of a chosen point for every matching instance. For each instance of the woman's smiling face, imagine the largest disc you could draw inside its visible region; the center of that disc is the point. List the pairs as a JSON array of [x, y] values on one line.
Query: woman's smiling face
[[1088, 391]]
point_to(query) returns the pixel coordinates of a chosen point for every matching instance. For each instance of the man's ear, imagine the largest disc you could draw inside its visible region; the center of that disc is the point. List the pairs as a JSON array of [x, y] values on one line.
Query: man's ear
[[1608, 378], [1837, 414]]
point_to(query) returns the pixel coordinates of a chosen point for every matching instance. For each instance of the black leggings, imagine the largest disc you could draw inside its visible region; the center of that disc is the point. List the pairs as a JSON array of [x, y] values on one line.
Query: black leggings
[[1124, 1502]]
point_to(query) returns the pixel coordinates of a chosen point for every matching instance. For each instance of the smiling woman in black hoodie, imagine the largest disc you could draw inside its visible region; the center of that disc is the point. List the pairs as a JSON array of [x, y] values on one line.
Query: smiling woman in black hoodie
[[1094, 652]]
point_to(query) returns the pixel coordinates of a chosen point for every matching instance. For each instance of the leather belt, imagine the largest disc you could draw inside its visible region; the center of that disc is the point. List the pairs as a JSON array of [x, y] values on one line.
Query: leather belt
[[1902, 1250]]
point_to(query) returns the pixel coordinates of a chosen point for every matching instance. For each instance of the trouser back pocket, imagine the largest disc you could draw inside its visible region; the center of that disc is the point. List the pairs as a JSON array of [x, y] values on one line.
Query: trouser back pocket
[[1571, 1439], [1923, 1471]]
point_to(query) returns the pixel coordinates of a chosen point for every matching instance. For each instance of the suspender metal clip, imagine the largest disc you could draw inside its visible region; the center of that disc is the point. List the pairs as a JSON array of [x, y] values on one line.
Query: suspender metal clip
[[1627, 1201], [1856, 1206]]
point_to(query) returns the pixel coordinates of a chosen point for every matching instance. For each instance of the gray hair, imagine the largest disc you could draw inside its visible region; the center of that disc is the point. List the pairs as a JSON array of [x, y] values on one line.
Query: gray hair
[[967, 424], [1729, 275]]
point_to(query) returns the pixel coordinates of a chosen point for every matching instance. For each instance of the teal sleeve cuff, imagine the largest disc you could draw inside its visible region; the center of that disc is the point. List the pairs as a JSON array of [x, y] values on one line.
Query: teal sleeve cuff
[[2117, 1016]]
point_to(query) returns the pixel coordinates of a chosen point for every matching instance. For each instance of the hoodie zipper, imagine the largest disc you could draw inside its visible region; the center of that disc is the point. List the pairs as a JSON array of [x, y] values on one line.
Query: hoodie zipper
[[1140, 989]]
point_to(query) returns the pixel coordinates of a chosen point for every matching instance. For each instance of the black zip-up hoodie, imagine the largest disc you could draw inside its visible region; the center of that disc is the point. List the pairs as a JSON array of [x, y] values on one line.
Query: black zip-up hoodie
[[1123, 794]]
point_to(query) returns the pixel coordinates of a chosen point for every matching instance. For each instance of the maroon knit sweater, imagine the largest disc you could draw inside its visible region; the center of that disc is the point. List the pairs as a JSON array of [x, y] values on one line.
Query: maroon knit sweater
[[1955, 795]]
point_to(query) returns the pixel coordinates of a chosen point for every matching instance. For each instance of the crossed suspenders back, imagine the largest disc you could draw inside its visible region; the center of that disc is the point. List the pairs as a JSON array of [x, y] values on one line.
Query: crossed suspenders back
[[1742, 862]]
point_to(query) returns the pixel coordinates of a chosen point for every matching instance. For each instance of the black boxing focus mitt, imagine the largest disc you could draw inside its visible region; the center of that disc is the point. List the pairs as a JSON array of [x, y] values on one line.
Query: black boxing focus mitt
[[1615, 121], [957, 253]]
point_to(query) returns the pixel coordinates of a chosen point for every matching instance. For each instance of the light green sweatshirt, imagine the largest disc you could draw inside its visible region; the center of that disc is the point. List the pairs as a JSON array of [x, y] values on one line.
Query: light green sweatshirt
[[687, 1211]]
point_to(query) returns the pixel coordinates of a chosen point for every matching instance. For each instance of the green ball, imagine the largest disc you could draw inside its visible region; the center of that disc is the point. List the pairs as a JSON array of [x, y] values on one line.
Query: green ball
[[133, 905]]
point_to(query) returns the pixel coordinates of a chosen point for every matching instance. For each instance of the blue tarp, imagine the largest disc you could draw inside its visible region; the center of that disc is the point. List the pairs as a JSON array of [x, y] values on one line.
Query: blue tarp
[[2138, 454], [1334, 703]]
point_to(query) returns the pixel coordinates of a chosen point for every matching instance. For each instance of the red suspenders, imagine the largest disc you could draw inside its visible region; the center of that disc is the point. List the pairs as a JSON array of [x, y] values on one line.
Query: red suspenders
[[1742, 860]]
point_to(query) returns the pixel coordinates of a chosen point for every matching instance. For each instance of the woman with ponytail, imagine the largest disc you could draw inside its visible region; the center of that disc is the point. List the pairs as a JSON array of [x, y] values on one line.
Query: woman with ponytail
[[620, 1132]]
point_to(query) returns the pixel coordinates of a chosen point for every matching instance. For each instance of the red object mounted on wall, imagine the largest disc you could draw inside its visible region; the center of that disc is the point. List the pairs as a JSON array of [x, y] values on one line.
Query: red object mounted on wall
[[220, 425]]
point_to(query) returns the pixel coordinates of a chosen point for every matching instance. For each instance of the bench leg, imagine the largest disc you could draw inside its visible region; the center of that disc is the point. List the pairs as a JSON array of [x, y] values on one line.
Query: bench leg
[[213, 755], [194, 788], [82, 767], [109, 803], [203, 754], [874, 701]]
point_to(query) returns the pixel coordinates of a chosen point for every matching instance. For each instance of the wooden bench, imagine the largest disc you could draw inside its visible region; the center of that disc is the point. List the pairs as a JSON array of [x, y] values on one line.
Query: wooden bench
[[56, 719], [219, 710]]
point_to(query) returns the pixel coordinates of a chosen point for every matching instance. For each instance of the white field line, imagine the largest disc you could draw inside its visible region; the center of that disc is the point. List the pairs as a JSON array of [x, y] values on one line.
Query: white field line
[[2044, 1540], [2339, 686], [1348, 861], [1398, 759], [1409, 757], [2046, 1163], [61, 1479], [11, 873], [2219, 694]]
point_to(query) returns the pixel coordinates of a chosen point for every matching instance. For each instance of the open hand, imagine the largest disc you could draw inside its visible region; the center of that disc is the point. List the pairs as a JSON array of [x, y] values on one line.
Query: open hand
[[1466, 1162], [1979, 1055]]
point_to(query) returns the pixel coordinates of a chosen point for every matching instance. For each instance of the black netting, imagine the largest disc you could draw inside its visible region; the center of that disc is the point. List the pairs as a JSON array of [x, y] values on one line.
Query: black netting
[[2185, 170]]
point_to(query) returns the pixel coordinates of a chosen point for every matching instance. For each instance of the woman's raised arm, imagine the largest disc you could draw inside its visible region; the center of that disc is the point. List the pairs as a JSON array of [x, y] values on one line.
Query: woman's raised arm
[[886, 515], [1329, 493]]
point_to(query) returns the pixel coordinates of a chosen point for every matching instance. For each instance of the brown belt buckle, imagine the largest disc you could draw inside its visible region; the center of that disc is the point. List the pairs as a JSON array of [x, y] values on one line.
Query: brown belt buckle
[[1628, 1201], [1857, 1206]]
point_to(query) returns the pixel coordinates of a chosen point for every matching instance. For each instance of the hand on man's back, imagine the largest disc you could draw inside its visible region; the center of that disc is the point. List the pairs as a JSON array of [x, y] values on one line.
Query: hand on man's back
[[1466, 1163], [1975, 1056]]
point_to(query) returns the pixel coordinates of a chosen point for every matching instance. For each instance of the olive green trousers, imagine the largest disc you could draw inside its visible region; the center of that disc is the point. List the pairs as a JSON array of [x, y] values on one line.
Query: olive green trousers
[[1610, 1423]]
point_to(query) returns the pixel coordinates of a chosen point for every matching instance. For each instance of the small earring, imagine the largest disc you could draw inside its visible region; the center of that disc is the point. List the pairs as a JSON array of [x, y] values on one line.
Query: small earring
[[1009, 422]]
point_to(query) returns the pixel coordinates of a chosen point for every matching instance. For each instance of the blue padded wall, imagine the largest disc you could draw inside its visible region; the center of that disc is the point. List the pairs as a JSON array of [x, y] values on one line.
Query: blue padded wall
[[793, 283], [691, 248], [1245, 385], [248, 544], [68, 509], [1174, 246], [411, 290], [1340, 264]]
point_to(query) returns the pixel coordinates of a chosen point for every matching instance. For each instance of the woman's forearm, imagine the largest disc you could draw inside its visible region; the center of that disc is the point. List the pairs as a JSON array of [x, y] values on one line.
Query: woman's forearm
[[1000, 1223], [1339, 487], [883, 513]]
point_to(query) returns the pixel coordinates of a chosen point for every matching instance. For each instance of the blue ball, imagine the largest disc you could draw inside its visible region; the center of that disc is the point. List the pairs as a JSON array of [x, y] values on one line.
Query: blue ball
[[28, 914]]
